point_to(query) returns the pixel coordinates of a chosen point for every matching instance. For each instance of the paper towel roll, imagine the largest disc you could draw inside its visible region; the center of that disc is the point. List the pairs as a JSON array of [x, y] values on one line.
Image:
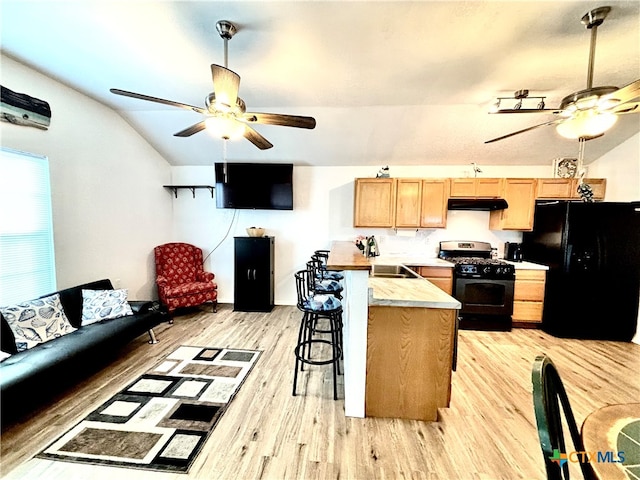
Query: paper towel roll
[[406, 233]]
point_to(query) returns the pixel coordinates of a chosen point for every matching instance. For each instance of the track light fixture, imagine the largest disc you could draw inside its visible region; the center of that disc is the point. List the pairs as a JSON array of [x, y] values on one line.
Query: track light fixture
[[518, 96]]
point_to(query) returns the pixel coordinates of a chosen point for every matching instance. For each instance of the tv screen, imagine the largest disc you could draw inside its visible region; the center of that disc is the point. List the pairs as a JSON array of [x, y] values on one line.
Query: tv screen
[[264, 186]]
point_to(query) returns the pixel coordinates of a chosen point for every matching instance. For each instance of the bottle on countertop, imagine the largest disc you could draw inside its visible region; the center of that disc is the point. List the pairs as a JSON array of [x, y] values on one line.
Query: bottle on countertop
[[494, 253], [372, 247]]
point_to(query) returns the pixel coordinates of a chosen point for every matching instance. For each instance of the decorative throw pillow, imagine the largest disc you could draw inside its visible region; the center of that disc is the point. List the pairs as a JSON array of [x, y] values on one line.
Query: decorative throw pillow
[[37, 321], [98, 305]]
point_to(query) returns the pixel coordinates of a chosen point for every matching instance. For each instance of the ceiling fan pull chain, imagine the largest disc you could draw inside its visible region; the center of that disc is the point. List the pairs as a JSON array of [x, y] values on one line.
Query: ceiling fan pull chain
[[581, 144]]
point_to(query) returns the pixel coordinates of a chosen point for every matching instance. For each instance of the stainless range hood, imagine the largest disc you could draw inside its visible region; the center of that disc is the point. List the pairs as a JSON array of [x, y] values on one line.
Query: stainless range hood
[[484, 204]]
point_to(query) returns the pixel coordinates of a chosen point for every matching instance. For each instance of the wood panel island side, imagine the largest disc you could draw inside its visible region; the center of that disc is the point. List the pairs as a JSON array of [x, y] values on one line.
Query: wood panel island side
[[399, 340]]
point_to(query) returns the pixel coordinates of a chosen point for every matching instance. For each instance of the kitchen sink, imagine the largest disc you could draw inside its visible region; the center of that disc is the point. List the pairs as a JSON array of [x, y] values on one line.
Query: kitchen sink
[[392, 271]]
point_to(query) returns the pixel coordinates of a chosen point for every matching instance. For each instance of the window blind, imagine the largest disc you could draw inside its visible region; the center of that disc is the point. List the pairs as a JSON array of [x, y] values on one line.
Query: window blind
[[27, 260]]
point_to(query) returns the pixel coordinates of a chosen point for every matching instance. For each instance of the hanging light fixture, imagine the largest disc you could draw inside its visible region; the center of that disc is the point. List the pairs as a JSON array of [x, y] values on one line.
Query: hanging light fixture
[[586, 124], [224, 127]]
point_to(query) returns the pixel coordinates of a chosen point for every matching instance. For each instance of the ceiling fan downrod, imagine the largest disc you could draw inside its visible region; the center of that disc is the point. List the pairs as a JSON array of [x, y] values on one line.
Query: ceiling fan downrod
[[592, 20], [227, 30]]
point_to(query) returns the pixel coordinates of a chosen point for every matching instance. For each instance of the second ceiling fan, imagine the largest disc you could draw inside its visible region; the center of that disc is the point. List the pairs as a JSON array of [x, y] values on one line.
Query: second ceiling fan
[[588, 113], [225, 111]]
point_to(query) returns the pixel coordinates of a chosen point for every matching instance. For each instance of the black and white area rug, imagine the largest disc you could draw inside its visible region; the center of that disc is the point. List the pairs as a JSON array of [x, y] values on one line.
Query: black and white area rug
[[162, 420]]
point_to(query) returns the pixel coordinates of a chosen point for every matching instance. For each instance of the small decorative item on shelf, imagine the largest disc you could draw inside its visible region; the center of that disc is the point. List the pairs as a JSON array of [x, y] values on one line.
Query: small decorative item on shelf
[[383, 172], [585, 192], [255, 231], [359, 243], [565, 167]]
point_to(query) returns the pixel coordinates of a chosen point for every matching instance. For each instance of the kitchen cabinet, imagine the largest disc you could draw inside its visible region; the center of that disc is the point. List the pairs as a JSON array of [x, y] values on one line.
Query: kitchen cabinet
[[554, 188], [528, 296], [374, 202], [566, 188], [475, 187], [441, 277], [520, 195], [409, 355], [408, 202], [253, 274], [401, 202], [433, 210], [598, 186]]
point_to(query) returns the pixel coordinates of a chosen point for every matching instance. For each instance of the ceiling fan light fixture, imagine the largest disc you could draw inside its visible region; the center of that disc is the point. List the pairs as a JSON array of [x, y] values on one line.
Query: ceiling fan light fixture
[[224, 127], [586, 124]]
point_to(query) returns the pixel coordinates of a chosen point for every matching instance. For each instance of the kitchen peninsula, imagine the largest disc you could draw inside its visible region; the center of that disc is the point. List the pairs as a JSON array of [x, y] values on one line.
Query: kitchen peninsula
[[399, 340]]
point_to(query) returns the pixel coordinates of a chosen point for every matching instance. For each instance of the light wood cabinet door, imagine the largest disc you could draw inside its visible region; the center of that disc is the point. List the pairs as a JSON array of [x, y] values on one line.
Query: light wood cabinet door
[[488, 187], [476, 187], [463, 187], [375, 200], [441, 277], [435, 194], [520, 195], [554, 188], [528, 296], [408, 202]]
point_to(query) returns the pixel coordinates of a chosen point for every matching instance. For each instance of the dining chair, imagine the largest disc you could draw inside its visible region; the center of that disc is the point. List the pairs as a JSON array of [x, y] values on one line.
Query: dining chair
[[551, 403]]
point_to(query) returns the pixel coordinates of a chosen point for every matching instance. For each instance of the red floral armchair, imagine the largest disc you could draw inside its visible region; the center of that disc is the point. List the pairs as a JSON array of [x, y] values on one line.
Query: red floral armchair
[[181, 279]]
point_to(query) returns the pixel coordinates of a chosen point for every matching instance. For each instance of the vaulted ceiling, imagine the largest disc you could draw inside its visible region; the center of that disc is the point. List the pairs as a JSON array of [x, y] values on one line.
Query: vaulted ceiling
[[398, 83]]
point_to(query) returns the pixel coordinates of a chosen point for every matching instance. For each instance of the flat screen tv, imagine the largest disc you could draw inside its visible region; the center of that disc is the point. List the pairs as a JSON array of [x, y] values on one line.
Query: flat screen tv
[[263, 186]]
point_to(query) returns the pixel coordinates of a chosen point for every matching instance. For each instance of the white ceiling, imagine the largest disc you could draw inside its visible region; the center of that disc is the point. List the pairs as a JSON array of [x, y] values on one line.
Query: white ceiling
[[398, 83]]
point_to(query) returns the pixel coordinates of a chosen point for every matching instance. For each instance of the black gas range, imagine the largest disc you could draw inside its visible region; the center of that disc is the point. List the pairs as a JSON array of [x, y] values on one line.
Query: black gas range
[[482, 284]]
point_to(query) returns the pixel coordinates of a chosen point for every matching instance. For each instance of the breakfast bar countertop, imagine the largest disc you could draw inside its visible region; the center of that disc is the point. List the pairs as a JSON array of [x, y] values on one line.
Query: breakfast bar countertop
[[411, 260], [409, 292], [396, 292]]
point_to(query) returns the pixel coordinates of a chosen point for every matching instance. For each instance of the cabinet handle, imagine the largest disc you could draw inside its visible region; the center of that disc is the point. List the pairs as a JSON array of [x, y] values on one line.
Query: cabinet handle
[[254, 273], [248, 274]]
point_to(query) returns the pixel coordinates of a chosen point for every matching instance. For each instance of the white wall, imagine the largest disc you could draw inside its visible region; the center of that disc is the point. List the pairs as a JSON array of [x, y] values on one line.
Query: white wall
[[621, 168], [109, 207]]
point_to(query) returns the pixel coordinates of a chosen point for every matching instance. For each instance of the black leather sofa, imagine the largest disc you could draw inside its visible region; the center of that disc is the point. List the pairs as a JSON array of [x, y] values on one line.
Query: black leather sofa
[[32, 377]]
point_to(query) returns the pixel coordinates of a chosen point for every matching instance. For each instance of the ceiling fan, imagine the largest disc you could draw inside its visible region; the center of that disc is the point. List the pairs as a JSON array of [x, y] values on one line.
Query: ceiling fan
[[225, 111], [588, 113]]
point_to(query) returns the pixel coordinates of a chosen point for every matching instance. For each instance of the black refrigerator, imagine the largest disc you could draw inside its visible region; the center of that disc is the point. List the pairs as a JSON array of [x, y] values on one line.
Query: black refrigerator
[[593, 254]]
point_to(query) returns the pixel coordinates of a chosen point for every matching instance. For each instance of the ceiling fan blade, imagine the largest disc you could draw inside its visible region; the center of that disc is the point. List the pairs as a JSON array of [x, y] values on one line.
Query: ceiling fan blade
[[558, 120], [625, 94], [187, 132], [633, 107], [279, 119], [255, 138], [225, 85], [157, 100]]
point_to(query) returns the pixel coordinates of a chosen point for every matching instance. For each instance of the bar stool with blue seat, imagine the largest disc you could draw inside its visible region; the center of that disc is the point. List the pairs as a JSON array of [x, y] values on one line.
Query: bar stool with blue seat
[[315, 306], [321, 285], [323, 256]]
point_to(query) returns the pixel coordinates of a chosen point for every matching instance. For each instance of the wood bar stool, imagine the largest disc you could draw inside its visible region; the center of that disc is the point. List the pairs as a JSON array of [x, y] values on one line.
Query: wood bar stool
[[313, 307]]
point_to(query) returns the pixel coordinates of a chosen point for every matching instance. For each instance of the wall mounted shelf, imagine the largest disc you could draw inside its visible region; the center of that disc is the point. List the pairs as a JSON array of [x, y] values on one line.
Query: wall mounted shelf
[[193, 189]]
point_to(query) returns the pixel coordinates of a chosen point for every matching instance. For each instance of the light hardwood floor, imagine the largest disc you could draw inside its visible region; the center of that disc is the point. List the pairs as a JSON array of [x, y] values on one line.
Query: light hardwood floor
[[488, 432]]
